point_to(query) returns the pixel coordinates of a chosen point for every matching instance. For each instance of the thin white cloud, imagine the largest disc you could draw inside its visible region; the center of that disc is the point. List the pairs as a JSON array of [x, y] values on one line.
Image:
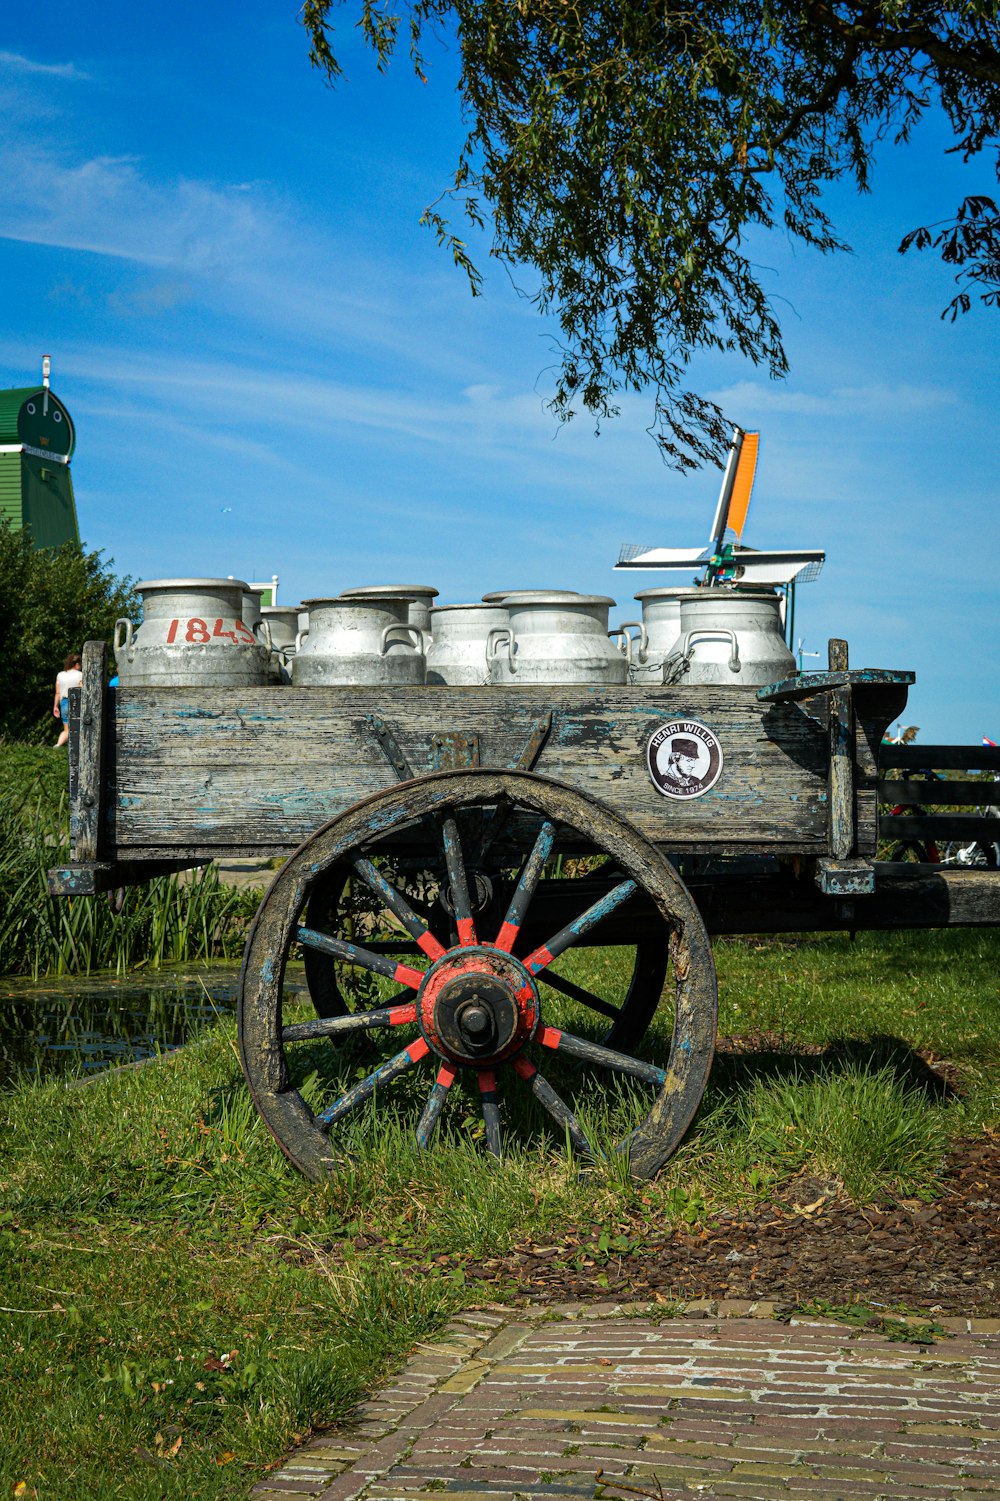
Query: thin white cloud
[[746, 399], [237, 247], [15, 63], [105, 206]]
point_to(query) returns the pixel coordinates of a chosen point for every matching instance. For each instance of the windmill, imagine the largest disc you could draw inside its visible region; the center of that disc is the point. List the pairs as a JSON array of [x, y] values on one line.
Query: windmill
[[725, 560]]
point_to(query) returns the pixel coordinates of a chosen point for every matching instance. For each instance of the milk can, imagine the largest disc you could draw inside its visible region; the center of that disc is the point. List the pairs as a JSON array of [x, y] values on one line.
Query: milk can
[[418, 597], [362, 640], [729, 636], [461, 637], [657, 633], [192, 635], [556, 637], [283, 625]]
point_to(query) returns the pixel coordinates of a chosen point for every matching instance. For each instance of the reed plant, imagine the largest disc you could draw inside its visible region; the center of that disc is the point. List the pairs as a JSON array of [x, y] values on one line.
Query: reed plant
[[167, 920]]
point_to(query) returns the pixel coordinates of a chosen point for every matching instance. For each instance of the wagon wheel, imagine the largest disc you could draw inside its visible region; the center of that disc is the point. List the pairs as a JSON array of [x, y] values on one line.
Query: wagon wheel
[[473, 1009], [628, 1012]]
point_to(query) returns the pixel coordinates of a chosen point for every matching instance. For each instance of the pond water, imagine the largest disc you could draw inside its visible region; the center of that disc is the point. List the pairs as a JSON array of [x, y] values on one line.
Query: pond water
[[50, 1027]]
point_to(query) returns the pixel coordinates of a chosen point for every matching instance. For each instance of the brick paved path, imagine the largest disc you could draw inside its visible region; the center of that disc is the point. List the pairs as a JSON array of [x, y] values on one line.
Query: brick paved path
[[532, 1404]]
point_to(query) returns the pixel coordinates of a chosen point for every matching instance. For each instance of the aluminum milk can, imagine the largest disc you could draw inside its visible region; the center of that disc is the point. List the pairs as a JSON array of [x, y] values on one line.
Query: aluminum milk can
[[657, 633], [358, 641], [461, 636], [557, 638], [417, 596], [283, 625], [730, 636], [192, 635]]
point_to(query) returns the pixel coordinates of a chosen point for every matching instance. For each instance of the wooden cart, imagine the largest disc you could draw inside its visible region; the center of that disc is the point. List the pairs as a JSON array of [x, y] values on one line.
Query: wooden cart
[[488, 831]]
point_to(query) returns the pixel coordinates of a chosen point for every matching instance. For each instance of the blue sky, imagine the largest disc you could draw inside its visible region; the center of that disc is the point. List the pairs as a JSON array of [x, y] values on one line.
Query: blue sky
[[272, 368]]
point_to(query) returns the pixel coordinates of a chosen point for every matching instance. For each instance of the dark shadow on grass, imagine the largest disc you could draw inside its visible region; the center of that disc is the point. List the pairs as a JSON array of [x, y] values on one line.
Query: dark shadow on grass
[[738, 1067]]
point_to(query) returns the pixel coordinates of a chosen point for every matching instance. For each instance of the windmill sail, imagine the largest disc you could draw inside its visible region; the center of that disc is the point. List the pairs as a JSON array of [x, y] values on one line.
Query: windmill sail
[[726, 559], [746, 468]]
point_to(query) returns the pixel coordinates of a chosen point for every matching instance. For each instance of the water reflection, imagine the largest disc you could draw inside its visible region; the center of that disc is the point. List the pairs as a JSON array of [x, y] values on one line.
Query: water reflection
[[82, 1025]]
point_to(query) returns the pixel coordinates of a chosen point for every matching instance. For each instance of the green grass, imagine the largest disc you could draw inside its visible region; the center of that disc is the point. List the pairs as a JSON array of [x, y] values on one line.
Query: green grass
[[172, 1278]]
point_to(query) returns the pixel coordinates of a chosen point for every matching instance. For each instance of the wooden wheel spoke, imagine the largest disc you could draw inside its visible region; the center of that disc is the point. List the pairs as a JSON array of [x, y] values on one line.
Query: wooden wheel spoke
[[358, 1021], [366, 1087], [493, 824], [491, 1111], [458, 881], [525, 888], [351, 953], [550, 1101], [397, 903], [435, 1104], [593, 1052], [577, 993], [574, 931]]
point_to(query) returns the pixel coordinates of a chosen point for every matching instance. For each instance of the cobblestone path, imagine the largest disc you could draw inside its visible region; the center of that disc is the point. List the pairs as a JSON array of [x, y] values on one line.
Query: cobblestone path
[[721, 1401]]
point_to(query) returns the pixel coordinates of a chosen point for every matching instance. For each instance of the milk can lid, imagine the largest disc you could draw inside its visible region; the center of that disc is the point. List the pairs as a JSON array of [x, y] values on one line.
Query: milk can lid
[[149, 584], [396, 591], [555, 597], [500, 596]]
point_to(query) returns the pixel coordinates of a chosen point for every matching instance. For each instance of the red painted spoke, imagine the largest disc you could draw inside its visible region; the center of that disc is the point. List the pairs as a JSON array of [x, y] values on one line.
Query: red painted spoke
[[350, 953], [434, 1106], [397, 903], [574, 931], [593, 1052], [491, 1111], [458, 881], [525, 888], [550, 1101], [332, 1026], [365, 1088]]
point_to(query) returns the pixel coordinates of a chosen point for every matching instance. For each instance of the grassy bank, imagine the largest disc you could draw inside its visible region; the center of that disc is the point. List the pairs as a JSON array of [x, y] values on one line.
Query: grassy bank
[[178, 1305], [168, 920]]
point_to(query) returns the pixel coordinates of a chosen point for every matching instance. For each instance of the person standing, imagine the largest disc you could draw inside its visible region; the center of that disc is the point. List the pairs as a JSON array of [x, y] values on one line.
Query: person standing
[[70, 677]]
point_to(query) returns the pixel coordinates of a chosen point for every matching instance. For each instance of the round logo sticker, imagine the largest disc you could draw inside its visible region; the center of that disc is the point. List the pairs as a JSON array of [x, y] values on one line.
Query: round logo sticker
[[684, 758]]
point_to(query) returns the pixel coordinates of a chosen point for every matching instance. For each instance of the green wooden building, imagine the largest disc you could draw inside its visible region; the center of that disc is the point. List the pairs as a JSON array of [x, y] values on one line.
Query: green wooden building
[[36, 445]]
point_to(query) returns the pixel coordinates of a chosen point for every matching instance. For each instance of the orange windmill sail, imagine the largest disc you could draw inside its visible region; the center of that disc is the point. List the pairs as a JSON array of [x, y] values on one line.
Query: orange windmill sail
[[746, 468]]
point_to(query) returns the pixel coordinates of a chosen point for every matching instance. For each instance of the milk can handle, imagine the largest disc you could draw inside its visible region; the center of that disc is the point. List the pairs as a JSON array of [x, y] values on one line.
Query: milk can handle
[[411, 631], [628, 642], [497, 635], [127, 643], [262, 630], [300, 636], [687, 649]]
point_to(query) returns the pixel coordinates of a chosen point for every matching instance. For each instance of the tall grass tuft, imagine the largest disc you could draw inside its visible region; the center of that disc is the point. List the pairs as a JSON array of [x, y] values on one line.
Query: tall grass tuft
[[168, 920], [866, 1129]]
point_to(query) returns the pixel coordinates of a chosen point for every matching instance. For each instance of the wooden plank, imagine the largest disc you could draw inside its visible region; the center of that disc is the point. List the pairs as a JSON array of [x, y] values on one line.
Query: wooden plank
[[841, 761], [198, 773], [905, 896], [929, 793], [90, 878], [965, 827], [90, 779], [940, 757], [807, 684], [875, 708]]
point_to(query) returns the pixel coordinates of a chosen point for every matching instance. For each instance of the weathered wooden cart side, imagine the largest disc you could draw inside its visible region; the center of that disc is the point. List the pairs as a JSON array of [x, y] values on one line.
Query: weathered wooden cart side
[[478, 789], [182, 775]]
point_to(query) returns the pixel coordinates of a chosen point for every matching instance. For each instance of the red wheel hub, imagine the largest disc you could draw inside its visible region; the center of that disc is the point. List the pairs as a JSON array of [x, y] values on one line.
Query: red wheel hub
[[477, 1006]]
